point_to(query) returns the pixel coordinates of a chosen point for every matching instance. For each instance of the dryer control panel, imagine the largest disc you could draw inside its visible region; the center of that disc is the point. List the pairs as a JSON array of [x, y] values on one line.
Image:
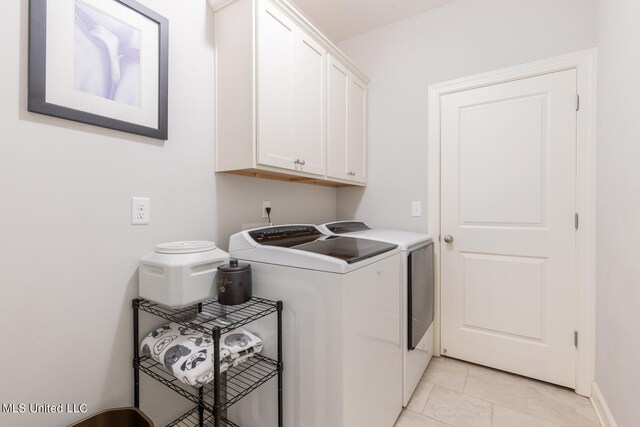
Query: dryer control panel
[[347, 227]]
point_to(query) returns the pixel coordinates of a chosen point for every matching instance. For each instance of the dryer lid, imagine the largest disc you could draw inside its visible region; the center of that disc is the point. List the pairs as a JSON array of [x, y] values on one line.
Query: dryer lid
[[342, 227]]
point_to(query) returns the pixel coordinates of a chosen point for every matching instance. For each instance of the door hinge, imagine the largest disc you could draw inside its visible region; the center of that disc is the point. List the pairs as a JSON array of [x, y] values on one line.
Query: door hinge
[[577, 221], [575, 338], [577, 102]]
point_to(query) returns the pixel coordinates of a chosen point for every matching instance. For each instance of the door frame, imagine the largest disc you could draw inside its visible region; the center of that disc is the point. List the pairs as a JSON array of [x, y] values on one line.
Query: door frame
[[584, 62]]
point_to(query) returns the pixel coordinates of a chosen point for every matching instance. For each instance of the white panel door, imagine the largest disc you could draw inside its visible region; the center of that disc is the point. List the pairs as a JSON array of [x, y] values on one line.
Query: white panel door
[[508, 277], [276, 51], [357, 131], [338, 81], [309, 101]]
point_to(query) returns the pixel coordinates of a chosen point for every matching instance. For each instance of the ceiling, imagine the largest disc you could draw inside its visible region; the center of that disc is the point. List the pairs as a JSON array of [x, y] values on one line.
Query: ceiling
[[342, 19]]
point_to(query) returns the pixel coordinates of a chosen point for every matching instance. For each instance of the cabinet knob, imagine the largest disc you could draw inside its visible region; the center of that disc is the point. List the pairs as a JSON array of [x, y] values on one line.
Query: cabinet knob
[[352, 173], [297, 161], [303, 163]]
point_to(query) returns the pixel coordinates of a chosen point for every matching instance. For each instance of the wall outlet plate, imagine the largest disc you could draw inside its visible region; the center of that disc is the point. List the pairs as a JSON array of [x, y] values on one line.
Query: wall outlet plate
[[140, 211], [416, 208]]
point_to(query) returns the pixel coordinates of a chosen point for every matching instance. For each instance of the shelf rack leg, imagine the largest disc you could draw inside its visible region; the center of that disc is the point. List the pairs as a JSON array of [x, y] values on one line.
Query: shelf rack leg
[[223, 379], [217, 405], [201, 406], [280, 366], [136, 355], [223, 393], [200, 392]]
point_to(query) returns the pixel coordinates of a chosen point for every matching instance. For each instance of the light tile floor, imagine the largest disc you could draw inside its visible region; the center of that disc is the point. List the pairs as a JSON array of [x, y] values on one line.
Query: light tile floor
[[459, 394]]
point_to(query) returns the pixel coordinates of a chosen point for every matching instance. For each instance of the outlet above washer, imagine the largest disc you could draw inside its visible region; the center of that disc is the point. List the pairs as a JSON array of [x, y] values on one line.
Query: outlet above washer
[[140, 211]]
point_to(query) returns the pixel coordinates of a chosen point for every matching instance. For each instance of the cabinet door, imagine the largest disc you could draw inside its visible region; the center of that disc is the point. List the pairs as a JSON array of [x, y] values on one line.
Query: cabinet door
[[309, 101], [357, 131], [346, 124], [276, 46], [337, 107]]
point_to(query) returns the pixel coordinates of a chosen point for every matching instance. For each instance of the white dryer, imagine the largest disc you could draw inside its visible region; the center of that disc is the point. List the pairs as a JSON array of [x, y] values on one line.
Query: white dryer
[[417, 294], [341, 327]]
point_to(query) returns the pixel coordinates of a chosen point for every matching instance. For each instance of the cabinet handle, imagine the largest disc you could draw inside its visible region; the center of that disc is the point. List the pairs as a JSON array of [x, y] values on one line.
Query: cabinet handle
[[352, 173], [297, 161]]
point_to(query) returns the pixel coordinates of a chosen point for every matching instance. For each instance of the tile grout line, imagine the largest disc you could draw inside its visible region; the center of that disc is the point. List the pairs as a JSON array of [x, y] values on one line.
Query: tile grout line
[[430, 391], [466, 376], [428, 399], [441, 422], [527, 412], [493, 404]]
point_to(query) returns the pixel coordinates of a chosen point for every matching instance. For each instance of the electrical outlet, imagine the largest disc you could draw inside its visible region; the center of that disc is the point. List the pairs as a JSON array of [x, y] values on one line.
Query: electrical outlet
[[265, 205], [140, 211], [416, 208]]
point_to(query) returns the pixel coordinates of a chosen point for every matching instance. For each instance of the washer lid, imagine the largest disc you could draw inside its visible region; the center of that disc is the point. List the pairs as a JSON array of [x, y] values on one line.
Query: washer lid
[[187, 247], [348, 249]]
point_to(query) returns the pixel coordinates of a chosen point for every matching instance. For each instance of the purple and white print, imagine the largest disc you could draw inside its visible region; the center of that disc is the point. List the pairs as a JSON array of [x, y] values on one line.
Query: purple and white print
[[106, 56]]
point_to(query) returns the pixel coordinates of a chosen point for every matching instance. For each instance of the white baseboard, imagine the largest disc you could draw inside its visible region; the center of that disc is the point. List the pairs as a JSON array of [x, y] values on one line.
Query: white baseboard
[[602, 410]]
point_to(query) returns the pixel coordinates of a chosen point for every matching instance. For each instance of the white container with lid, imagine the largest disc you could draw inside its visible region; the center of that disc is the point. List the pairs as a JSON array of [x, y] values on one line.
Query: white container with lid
[[179, 274]]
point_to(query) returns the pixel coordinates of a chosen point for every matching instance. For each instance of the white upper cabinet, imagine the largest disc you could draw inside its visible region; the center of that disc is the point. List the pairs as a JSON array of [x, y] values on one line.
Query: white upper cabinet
[[346, 124], [309, 116], [291, 83], [276, 88], [337, 107], [357, 125], [281, 110]]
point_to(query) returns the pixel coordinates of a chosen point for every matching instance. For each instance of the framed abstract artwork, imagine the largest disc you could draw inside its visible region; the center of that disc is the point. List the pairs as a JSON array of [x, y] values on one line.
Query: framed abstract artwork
[[102, 62]]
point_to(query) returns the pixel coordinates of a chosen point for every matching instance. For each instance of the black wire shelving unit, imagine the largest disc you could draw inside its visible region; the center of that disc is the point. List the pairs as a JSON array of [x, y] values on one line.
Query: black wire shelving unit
[[192, 419], [226, 388]]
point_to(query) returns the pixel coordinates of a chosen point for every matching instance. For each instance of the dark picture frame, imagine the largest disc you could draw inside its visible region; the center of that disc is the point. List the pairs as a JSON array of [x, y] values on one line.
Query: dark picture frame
[[37, 81]]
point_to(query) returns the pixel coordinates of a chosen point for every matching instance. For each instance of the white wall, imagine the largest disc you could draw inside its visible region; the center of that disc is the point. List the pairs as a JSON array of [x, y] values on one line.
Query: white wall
[[618, 254], [68, 254], [463, 38]]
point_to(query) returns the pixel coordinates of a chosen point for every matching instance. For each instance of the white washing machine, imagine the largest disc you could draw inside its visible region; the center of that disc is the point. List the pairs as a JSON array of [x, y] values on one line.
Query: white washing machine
[[417, 294], [341, 327]]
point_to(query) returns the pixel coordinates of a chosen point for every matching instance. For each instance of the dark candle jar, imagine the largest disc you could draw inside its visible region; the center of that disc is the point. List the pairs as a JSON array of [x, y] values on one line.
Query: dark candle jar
[[233, 282]]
